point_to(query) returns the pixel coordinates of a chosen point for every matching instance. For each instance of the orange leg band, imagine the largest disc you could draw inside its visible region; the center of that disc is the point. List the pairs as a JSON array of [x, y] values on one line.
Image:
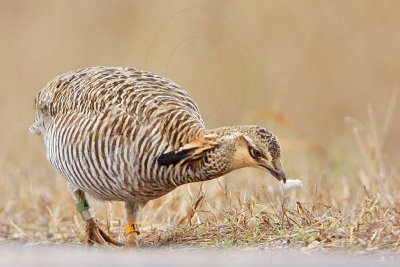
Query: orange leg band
[[132, 227]]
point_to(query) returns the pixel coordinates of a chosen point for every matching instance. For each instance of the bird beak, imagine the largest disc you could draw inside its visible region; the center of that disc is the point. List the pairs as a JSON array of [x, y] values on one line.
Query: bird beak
[[278, 174], [277, 171]]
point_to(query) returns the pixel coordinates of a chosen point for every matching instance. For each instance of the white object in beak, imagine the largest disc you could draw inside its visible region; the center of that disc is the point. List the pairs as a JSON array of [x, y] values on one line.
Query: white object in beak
[[291, 184]]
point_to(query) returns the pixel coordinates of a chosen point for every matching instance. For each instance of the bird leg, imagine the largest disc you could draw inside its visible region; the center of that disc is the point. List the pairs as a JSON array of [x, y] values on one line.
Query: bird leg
[[94, 235], [132, 228], [132, 232]]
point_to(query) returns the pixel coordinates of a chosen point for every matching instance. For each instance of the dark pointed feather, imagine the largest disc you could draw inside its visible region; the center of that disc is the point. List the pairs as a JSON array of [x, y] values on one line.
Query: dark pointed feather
[[173, 157]]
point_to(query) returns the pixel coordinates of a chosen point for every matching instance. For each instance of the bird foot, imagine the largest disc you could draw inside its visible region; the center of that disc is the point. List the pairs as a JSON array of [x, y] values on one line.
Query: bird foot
[[132, 241], [95, 235]]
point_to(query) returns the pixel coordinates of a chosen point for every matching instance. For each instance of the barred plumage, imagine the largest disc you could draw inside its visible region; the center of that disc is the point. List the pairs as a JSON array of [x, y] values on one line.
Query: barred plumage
[[129, 135]]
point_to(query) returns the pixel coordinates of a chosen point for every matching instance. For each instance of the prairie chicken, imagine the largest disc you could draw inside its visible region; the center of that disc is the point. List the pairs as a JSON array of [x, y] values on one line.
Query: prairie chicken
[[120, 134]]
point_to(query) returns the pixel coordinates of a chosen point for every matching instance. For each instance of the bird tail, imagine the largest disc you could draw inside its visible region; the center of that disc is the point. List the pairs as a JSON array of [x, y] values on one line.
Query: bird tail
[[37, 126]]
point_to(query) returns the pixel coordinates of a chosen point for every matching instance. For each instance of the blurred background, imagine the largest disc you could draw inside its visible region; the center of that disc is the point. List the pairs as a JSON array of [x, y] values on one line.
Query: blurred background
[[317, 73]]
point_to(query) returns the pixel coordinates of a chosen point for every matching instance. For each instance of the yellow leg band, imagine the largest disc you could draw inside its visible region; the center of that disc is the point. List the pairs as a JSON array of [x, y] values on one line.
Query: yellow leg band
[[132, 227]]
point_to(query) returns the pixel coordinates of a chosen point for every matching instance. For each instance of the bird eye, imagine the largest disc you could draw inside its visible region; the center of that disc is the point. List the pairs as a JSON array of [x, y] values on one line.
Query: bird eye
[[255, 153]]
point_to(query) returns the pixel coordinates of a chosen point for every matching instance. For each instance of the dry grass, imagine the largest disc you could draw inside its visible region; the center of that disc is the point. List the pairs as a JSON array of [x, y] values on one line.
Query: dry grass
[[350, 203]]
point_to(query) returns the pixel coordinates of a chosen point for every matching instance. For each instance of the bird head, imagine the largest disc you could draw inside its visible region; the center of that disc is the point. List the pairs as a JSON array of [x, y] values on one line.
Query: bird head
[[254, 146]]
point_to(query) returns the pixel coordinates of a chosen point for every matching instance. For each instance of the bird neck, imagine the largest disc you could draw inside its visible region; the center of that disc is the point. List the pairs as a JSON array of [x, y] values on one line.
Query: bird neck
[[218, 161]]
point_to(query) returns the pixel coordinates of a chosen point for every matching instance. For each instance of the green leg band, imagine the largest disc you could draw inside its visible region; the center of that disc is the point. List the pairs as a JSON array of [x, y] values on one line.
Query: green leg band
[[82, 206]]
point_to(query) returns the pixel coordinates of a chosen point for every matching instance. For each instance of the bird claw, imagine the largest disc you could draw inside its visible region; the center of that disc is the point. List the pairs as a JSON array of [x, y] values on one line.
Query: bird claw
[[95, 235]]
